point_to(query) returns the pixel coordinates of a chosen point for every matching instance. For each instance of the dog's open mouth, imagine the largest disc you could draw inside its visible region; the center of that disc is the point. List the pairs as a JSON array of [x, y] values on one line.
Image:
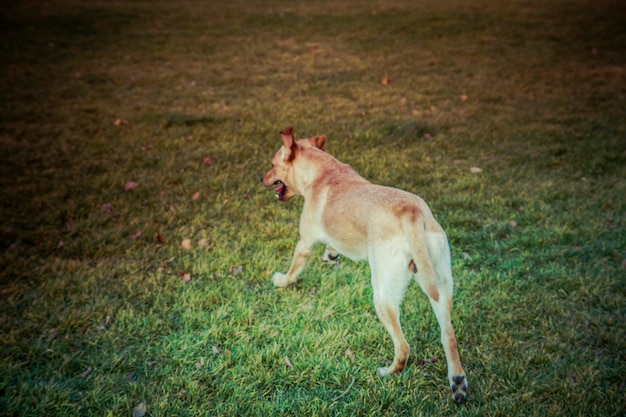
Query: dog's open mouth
[[280, 190]]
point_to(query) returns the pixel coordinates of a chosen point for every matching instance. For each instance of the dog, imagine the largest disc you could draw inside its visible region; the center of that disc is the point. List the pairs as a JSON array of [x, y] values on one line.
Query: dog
[[392, 229]]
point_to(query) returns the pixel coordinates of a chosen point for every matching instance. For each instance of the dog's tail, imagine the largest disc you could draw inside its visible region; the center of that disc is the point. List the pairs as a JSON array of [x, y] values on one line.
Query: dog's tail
[[421, 263]]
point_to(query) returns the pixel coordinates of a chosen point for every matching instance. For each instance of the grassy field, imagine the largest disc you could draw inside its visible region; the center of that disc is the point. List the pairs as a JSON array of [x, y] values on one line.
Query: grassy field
[[137, 245]]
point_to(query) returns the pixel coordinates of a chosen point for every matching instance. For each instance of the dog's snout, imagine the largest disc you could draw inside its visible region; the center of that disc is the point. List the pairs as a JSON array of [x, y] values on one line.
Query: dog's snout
[[261, 179]]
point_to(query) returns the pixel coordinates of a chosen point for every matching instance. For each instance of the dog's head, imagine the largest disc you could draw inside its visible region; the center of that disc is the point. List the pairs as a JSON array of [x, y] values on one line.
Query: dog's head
[[282, 176]]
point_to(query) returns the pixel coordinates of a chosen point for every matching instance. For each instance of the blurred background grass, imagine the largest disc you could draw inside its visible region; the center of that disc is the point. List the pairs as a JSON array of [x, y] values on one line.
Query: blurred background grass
[[104, 308]]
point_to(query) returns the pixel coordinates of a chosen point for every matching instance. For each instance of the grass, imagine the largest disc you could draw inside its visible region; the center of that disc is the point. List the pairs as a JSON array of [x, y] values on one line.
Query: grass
[[98, 318]]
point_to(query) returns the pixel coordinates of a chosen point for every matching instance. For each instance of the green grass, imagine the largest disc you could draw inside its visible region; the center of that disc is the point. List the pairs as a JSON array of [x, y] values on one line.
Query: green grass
[[93, 322]]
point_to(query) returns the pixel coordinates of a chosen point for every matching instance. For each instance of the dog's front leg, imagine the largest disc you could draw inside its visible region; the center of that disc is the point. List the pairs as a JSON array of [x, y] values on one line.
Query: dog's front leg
[[300, 256]]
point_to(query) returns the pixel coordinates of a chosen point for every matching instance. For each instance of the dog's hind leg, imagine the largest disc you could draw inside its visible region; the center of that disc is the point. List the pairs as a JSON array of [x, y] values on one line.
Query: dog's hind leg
[[456, 375], [389, 286], [300, 256], [442, 308]]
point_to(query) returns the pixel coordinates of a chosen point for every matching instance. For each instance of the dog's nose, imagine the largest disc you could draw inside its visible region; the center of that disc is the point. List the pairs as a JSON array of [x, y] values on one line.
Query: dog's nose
[[261, 179]]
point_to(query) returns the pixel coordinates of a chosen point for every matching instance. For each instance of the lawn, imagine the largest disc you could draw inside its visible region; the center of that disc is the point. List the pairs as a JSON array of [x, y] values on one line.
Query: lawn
[[137, 245]]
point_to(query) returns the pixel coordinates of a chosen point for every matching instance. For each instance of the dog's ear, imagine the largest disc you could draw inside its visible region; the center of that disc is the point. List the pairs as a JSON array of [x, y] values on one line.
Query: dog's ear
[[319, 142], [288, 131], [289, 143]]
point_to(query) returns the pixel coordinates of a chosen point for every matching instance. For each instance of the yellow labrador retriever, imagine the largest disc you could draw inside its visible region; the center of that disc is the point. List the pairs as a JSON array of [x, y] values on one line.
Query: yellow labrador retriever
[[393, 230]]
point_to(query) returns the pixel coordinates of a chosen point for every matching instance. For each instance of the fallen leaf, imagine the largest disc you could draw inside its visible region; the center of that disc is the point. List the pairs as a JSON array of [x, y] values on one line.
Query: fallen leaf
[[288, 362], [103, 327], [140, 410], [60, 245], [475, 170], [215, 350], [121, 122], [186, 244], [203, 243], [135, 236], [87, 372], [348, 353], [423, 362], [195, 195], [463, 97], [160, 239], [235, 271], [108, 207], [313, 47], [385, 81], [199, 364], [428, 136], [513, 223], [185, 276], [52, 334], [467, 256], [131, 185], [170, 207], [207, 161]]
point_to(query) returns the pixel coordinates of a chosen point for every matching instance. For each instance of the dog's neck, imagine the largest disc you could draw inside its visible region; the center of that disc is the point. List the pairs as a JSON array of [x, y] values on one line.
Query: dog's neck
[[318, 170]]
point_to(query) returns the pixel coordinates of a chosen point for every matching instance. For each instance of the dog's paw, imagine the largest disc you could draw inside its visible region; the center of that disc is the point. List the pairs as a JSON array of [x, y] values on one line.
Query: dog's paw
[[280, 280], [330, 256], [458, 386], [384, 371]]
